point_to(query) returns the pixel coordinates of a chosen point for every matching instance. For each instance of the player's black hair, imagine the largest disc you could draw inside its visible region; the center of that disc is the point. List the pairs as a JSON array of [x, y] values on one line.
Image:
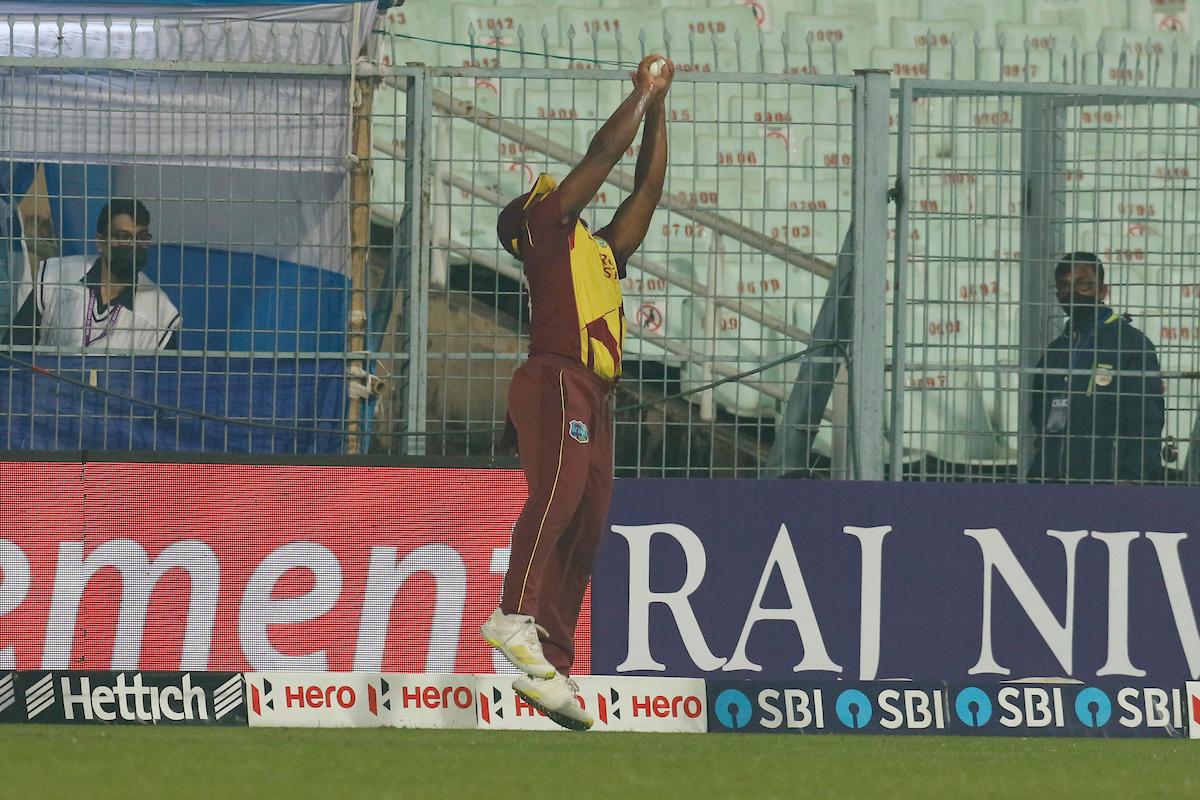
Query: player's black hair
[[1080, 257], [118, 206]]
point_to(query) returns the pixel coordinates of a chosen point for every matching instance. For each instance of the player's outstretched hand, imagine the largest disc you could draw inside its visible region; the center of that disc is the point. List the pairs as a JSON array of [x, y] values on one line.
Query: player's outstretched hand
[[654, 74]]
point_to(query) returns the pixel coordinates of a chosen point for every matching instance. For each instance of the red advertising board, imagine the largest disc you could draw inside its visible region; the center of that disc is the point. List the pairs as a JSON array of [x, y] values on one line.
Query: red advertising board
[[253, 567]]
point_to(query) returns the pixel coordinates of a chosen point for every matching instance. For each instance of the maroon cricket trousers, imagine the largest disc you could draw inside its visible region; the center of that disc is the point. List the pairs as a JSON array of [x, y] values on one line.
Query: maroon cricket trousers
[[561, 413]]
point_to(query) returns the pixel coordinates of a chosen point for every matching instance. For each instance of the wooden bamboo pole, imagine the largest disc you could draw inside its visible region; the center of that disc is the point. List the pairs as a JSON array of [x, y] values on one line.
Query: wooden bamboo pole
[[358, 385]]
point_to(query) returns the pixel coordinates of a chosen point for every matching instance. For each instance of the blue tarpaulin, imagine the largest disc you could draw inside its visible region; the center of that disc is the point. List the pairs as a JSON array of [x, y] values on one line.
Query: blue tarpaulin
[[240, 302], [41, 411]]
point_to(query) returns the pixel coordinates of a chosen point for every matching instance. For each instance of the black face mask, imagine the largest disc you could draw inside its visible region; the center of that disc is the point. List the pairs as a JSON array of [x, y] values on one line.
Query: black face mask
[[1080, 306], [124, 262]]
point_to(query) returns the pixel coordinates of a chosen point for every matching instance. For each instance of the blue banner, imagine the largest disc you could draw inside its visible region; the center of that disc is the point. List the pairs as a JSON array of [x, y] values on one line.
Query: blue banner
[[42, 411], [929, 582], [979, 710]]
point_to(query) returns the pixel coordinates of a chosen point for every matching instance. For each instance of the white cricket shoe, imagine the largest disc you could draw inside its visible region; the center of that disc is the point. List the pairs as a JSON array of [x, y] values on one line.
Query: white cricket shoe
[[516, 636], [556, 698]]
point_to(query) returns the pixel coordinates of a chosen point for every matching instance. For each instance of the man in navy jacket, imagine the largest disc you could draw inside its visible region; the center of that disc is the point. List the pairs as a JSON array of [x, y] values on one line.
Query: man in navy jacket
[[1097, 404]]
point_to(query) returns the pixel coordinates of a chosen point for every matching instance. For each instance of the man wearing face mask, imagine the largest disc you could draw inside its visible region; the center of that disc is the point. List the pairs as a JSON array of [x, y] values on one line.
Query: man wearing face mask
[[101, 303], [1097, 405]]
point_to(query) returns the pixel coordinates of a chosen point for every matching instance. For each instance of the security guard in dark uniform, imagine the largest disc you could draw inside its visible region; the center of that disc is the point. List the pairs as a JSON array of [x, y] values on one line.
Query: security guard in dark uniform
[[1097, 404]]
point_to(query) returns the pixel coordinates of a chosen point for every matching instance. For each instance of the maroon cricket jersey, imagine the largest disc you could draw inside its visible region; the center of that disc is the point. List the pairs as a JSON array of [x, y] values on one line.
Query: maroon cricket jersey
[[574, 290]]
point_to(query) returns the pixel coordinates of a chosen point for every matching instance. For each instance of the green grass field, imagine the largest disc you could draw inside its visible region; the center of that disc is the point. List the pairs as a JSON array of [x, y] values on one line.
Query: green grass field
[[144, 763]]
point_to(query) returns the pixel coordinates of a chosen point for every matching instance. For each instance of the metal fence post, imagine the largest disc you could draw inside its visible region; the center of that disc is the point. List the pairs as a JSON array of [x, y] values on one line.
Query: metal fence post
[[870, 222], [900, 284], [415, 261], [1042, 157]]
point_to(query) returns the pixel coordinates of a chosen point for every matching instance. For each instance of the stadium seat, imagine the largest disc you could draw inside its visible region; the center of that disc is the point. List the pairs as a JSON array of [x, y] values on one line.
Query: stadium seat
[[678, 242], [819, 197], [999, 198], [605, 22], [1054, 38], [764, 284], [731, 29], [803, 231], [745, 153], [798, 61], [980, 13], [738, 344], [498, 26], [1085, 16], [879, 12], [769, 14], [1014, 64], [1158, 15], [783, 105], [423, 20], [735, 196], [1000, 389], [484, 92], [934, 63], [848, 38], [827, 158], [700, 57], [945, 416], [576, 106], [934, 33]]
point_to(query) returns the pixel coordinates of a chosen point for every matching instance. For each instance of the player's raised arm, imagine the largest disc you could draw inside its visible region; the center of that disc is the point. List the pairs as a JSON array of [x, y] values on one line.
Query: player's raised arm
[[612, 140], [632, 219]]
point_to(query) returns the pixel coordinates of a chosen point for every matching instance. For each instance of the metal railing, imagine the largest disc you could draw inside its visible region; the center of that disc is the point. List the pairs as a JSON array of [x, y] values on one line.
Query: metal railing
[[772, 308]]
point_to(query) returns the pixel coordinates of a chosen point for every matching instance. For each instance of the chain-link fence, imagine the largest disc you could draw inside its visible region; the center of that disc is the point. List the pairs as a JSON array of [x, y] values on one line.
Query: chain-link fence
[[185, 232], [1005, 374], [323, 232]]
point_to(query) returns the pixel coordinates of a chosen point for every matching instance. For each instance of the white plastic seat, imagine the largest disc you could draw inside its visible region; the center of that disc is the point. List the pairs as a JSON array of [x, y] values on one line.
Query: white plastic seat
[[579, 107], [824, 158], [819, 197], [799, 60], [764, 283], [1151, 58], [934, 33], [908, 62], [1154, 15], [938, 201], [1086, 16], [606, 21], [692, 111], [732, 28], [746, 154], [1000, 199], [424, 20], [498, 26], [699, 56], [980, 13], [676, 241], [730, 194], [849, 38], [769, 14], [803, 231], [739, 344], [486, 92], [784, 104], [945, 416], [1014, 64], [878, 11], [1055, 38]]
